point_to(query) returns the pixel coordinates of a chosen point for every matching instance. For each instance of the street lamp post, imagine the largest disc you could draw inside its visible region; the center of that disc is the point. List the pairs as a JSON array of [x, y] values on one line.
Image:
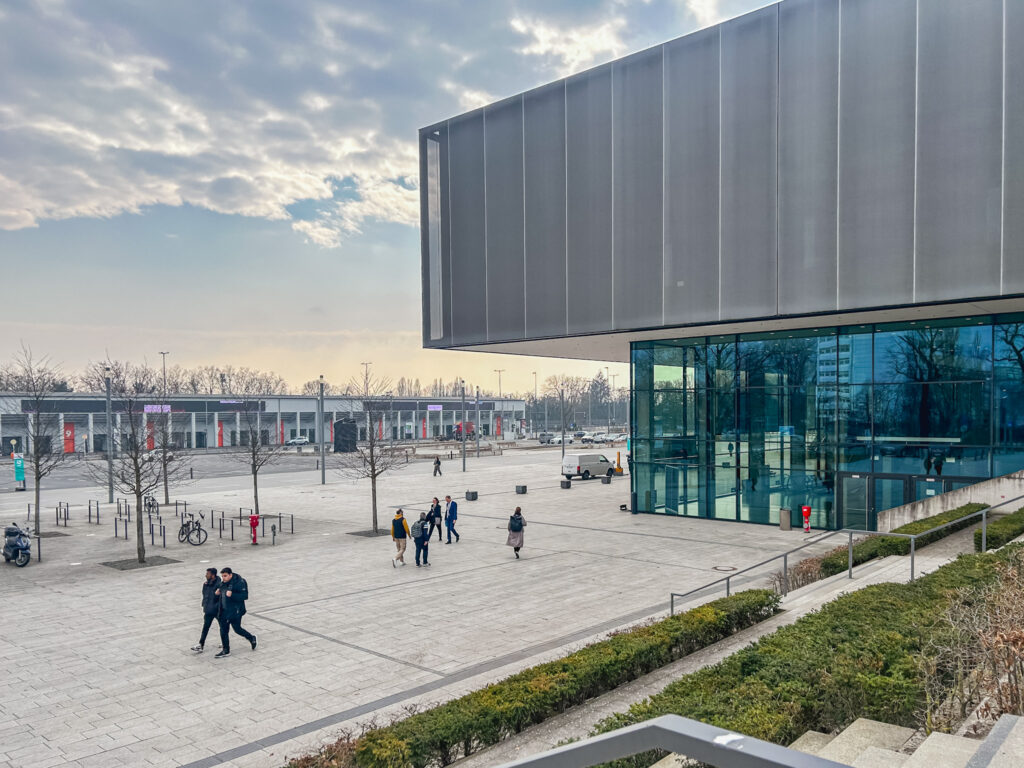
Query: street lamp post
[[110, 444], [612, 390], [533, 413], [561, 398], [477, 428], [499, 371], [608, 410], [464, 435], [164, 356], [320, 428]]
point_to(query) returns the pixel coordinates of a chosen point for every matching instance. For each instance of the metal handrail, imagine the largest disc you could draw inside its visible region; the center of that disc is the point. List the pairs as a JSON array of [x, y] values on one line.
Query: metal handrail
[[728, 579], [682, 736], [983, 513]]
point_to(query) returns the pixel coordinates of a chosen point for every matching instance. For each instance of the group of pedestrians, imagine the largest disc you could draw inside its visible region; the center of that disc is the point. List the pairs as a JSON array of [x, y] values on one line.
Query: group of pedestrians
[[224, 599], [422, 530]]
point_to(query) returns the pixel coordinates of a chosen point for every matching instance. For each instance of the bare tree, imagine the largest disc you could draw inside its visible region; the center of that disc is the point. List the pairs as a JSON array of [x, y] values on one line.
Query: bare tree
[[575, 389], [260, 449], [39, 381], [371, 458], [312, 388], [137, 471]]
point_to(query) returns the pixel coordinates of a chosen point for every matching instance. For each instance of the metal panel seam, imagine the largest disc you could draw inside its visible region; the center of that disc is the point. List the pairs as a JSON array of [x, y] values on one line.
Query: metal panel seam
[[487, 313], [917, 69], [1002, 170], [522, 112], [839, 135]]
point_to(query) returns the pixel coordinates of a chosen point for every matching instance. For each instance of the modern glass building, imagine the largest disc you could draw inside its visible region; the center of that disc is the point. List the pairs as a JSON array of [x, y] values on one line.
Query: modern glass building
[[849, 420], [801, 227]]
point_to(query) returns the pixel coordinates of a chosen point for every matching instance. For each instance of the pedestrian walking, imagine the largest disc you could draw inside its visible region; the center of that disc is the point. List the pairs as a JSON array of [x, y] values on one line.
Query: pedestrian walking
[[233, 592], [399, 535], [421, 538], [211, 605], [516, 524], [451, 514], [437, 466], [434, 516]]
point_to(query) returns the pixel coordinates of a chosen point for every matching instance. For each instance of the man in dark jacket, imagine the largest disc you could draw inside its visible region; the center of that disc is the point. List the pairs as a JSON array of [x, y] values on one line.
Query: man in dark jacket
[[233, 593], [211, 605], [434, 516], [451, 514]]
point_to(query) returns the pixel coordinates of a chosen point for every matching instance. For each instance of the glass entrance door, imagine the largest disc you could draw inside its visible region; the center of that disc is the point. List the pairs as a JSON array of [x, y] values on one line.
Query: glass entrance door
[[853, 500]]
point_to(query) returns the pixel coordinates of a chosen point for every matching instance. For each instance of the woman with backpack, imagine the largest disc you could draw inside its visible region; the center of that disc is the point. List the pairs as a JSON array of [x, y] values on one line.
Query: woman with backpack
[[516, 524]]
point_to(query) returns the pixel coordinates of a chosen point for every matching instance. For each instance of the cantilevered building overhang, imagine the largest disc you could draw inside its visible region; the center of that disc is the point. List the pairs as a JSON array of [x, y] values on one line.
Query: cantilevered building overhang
[[814, 162]]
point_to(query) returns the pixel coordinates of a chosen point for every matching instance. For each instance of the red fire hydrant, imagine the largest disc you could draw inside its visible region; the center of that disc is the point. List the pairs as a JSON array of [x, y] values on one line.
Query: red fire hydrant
[[254, 523], [807, 518]]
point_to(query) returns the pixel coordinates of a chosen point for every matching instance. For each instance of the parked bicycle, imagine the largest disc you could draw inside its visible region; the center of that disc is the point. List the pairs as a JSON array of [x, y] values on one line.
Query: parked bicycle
[[192, 530]]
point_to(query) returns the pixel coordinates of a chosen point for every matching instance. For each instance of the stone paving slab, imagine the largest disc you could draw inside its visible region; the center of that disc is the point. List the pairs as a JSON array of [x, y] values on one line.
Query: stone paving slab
[[99, 662]]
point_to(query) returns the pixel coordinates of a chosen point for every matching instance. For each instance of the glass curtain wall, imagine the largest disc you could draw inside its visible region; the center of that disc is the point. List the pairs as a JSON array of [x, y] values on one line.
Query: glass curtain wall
[[739, 427]]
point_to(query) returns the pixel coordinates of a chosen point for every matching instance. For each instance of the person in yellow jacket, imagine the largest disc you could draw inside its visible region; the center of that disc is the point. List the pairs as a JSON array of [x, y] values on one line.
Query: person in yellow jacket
[[399, 535]]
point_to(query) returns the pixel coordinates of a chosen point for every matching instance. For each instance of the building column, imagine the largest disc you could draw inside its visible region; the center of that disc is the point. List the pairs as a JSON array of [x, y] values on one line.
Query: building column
[[92, 436], [298, 423], [60, 431], [238, 428], [216, 430], [192, 444], [117, 430]]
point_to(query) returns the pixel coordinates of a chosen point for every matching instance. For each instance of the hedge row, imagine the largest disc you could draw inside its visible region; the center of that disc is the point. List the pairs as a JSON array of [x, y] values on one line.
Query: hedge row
[[857, 657], [439, 735], [1001, 531], [837, 561]]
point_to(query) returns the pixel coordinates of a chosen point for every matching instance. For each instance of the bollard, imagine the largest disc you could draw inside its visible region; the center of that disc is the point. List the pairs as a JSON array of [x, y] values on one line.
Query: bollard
[[232, 530], [190, 475], [39, 549], [221, 535], [152, 538], [273, 535], [263, 526], [115, 527], [163, 534], [293, 523]]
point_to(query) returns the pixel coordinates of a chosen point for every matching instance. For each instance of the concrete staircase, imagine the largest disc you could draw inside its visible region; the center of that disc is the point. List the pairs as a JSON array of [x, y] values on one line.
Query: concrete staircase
[[870, 744]]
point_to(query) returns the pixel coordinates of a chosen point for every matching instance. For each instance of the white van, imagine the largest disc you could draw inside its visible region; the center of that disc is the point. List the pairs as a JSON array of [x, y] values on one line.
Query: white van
[[586, 465]]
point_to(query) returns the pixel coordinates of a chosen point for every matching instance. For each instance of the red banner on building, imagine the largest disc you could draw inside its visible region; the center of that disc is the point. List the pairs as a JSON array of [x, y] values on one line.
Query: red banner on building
[[497, 421], [424, 429], [220, 434], [69, 438], [150, 436]]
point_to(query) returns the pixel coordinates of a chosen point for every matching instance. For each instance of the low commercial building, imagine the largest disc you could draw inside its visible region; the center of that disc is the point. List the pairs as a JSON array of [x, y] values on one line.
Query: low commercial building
[[79, 420]]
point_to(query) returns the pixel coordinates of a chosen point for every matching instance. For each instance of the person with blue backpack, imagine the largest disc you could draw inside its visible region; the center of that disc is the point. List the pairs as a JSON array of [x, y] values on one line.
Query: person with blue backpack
[[516, 524]]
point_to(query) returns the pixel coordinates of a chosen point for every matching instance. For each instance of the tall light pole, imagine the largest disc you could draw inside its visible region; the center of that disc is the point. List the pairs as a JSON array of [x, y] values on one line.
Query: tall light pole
[[320, 429], [608, 409], [464, 435], [499, 372], [561, 398], [110, 443], [164, 356], [533, 413], [612, 390], [477, 429]]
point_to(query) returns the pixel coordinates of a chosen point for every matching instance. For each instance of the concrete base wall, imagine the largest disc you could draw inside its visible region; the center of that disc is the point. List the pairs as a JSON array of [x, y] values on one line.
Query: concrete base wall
[[1005, 494]]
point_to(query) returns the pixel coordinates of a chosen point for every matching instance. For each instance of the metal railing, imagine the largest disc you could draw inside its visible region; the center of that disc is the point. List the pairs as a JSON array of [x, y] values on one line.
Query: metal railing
[[727, 580], [679, 735], [673, 596], [983, 513]]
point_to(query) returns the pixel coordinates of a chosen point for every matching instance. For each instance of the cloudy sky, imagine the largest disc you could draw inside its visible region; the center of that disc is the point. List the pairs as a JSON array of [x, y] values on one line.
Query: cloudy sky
[[236, 182]]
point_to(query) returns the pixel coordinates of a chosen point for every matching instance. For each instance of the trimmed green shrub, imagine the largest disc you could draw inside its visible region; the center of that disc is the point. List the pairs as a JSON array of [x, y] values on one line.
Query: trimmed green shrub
[[837, 561], [857, 657], [441, 734], [1001, 531]]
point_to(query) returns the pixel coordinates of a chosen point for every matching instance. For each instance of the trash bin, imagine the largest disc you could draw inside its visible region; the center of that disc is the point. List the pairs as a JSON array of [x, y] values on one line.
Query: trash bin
[[471, 495], [521, 490], [566, 484], [785, 519]]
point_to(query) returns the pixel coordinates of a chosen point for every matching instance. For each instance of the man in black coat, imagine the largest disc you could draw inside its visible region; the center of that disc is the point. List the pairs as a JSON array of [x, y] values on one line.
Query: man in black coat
[[233, 593], [211, 605]]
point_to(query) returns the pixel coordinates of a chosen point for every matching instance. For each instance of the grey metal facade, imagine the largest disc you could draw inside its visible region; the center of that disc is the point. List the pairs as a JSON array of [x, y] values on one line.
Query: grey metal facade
[[811, 157]]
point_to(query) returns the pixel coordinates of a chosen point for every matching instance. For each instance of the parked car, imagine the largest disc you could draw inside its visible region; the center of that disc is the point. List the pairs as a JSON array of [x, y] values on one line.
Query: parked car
[[297, 441], [557, 440], [586, 465], [599, 437], [545, 437], [579, 434]]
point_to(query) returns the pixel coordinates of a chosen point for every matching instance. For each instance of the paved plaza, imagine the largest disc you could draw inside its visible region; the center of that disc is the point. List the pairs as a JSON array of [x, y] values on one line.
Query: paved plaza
[[97, 661]]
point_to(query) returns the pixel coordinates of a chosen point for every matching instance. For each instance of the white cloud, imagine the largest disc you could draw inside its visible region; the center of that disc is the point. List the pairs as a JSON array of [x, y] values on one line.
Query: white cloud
[[707, 12], [574, 48]]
